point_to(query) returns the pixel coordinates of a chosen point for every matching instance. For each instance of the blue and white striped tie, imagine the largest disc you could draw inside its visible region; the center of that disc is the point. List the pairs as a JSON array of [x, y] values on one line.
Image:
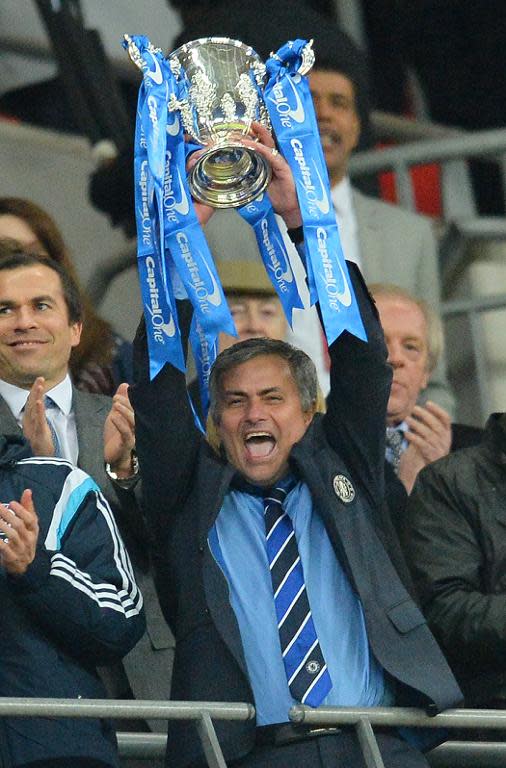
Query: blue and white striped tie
[[49, 404], [307, 674]]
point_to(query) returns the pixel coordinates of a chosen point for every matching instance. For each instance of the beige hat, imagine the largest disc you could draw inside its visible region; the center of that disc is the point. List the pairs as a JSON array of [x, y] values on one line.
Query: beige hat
[[246, 276]]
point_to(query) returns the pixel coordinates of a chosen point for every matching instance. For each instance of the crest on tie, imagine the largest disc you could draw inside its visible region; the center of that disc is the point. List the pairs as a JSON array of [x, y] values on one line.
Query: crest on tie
[[343, 489]]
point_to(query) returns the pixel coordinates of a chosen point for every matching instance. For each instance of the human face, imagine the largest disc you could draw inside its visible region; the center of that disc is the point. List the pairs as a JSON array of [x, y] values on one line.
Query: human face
[[255, 317], [260, 417], [405, 330], [17, 229], [36, 338], [338, 121]]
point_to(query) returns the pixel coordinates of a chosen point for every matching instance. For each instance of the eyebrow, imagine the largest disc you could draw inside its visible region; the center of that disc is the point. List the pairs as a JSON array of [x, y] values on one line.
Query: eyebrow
[[414, 338], [44, 297], [33, 300], [240, 392]]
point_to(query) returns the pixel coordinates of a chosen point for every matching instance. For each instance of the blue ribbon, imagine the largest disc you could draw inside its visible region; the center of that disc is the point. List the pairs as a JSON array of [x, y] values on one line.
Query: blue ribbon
[[203, 358], [260, 215], [291, 111], [176, 249], [164, 342]]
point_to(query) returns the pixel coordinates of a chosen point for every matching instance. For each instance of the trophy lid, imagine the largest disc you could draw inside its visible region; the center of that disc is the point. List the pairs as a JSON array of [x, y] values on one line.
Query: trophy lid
[[185, 50]]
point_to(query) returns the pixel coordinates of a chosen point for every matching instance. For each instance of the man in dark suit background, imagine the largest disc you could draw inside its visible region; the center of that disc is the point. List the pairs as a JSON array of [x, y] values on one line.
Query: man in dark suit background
[[40, 323], [418, 433]]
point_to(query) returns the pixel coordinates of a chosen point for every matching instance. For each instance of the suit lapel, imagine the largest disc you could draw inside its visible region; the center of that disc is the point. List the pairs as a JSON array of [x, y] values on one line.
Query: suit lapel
[[216, 480], [349, 527], [8, 424], [90, 413], [369, 237]]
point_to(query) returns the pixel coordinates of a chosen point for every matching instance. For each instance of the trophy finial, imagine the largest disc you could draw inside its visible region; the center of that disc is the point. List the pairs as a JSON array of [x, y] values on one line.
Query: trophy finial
[[308, 59], [134, 52]]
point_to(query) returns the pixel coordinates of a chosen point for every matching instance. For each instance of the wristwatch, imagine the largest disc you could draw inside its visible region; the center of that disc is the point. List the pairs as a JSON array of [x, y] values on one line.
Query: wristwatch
[[125, 482]]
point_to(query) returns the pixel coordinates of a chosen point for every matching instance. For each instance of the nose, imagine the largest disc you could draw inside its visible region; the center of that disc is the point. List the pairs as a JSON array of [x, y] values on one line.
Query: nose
[[395, 357], [252, 323], [322, 109], [25, 319], [255, 411]]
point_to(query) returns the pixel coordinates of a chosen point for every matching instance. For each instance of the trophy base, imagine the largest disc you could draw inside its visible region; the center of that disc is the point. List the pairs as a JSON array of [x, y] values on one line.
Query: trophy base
[[229, 175]]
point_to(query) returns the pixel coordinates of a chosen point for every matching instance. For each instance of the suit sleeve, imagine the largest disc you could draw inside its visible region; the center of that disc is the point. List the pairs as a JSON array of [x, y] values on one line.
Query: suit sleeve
[[80, 587], [446, 557], [167, 439], [359, 389]]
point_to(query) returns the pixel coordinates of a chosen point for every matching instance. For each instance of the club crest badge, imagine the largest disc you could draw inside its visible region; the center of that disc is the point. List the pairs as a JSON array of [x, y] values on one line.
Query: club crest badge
[[343, 489], [312, 667]]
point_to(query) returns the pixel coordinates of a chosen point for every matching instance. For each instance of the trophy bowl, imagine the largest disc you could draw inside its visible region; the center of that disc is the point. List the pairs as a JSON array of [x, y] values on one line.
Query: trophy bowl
[[224, 83]]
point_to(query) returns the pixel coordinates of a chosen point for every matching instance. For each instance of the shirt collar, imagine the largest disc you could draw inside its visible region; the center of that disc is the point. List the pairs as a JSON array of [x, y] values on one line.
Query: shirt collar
[[16, 397], [62, 395], [342, 196], [401, 427], [239, 483]]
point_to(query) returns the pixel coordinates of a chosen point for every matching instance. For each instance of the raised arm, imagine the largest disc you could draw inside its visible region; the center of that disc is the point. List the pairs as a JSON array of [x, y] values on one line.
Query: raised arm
[[360, 377], [360, 381], [167, 439]]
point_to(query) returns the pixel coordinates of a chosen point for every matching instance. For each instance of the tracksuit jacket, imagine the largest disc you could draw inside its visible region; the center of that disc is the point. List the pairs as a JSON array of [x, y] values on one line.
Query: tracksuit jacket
[[76, 607]]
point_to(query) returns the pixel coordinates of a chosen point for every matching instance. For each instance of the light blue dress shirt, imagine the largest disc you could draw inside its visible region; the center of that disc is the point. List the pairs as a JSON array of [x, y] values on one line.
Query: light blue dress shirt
[[237, 542], [62, 418]]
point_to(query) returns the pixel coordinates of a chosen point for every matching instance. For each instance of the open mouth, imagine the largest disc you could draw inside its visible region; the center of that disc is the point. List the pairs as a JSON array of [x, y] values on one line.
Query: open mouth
[[259, 445]]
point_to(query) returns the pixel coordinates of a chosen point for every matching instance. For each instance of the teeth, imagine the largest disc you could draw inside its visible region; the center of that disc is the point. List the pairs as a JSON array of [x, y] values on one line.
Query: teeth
[[260, 445], [251, 435]]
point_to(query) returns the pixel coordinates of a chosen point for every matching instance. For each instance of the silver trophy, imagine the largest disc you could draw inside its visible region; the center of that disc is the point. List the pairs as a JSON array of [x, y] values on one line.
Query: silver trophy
[[225, 79]]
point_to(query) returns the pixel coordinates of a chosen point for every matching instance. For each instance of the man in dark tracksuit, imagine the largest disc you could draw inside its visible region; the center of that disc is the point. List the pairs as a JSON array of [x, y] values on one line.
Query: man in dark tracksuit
[[68, 602]]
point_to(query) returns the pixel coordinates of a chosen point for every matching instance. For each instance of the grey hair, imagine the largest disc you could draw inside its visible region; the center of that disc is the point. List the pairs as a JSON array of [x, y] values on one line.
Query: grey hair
[[435, 332], [301, 367]]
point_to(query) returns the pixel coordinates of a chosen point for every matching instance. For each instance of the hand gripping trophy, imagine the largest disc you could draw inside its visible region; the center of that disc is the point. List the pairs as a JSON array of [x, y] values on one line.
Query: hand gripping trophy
[[205, 97]]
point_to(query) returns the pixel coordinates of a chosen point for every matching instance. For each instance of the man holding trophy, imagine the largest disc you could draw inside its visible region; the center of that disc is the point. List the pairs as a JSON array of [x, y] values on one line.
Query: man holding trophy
[[274, 571]]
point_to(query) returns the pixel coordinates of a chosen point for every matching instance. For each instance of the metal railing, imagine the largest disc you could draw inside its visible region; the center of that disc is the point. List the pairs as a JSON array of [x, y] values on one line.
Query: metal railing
[[202, 712], [451, 152], [464, 754], [364, 720]]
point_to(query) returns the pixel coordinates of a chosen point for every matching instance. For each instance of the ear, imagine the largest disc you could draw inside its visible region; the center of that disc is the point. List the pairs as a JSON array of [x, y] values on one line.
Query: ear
[[308, 415], [75, 333], [213, 433], [357, 129]]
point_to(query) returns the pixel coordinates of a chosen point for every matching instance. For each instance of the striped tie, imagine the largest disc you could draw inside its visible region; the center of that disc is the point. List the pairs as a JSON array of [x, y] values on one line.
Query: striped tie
[[394, 444], [49, 404], [308, 677]]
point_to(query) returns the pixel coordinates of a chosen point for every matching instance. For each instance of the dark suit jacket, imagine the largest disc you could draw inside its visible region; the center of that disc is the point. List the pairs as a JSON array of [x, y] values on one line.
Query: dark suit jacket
[[184, 484], [463, 436], [148, 666], [396, 497]]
